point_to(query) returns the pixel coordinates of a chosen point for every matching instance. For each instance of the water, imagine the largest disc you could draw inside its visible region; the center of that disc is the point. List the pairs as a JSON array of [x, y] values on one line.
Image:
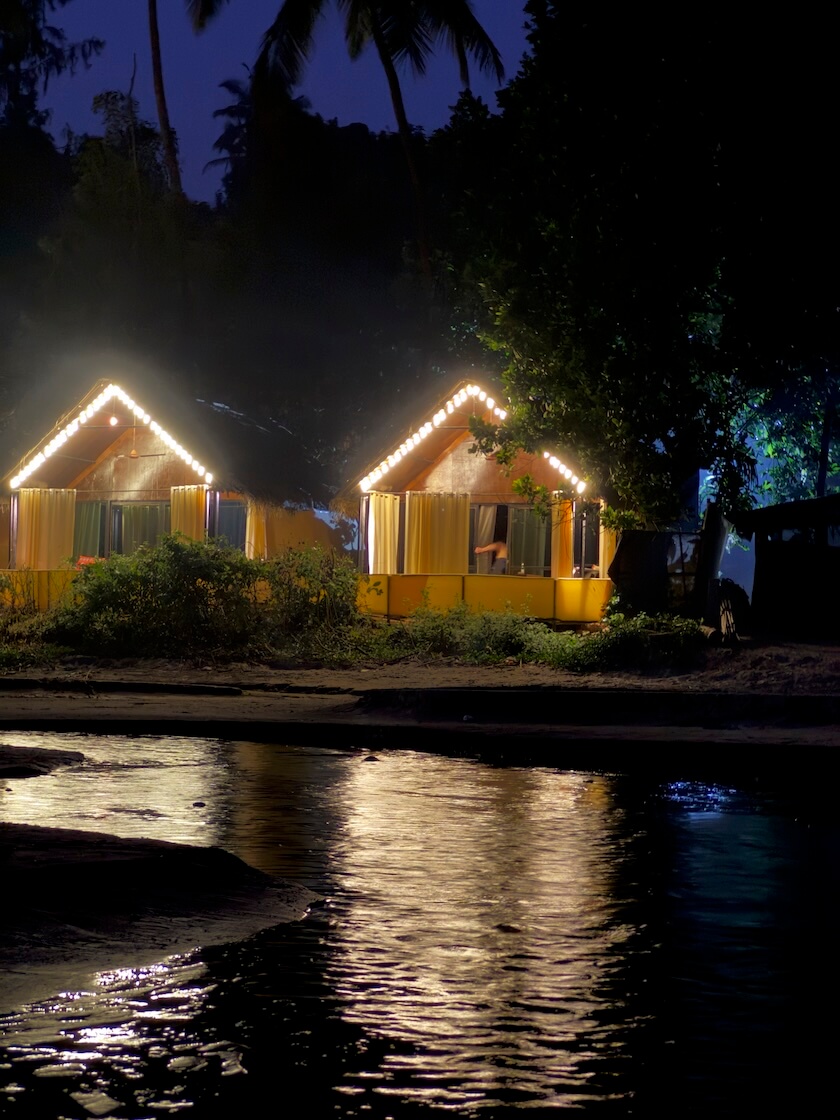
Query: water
[[492, 940]]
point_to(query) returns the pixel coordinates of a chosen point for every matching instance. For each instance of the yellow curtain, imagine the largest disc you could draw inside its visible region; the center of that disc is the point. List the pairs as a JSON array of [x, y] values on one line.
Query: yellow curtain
[[383, 532], [46, 519], [256, 543], [562, 540], [188, 511], [437, 533]]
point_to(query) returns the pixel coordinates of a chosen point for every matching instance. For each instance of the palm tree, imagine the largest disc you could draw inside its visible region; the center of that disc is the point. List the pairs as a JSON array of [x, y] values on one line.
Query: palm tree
[[167, 136], [400, 31]]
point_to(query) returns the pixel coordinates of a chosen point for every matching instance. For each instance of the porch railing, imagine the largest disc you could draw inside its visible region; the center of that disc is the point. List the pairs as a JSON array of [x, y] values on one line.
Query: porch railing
[[554, 600]]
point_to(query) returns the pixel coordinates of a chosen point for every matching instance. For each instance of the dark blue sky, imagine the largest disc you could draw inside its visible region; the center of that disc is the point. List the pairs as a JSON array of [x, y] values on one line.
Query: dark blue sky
[[194, 65]]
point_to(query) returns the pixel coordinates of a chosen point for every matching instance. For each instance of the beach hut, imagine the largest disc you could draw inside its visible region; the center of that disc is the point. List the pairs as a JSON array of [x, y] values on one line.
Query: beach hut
[[429, 500], [134, 459]]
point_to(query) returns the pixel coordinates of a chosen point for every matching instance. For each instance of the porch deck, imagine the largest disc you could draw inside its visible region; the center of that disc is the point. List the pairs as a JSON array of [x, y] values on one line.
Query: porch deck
[[568, 600]]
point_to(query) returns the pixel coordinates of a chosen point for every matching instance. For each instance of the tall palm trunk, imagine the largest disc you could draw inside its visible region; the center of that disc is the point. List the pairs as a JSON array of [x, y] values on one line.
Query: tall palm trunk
[[170, 156]]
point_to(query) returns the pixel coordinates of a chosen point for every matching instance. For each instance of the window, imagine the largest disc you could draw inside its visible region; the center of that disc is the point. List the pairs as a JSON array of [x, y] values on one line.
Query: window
[[89, 529], [137, 523], [232, 518], [587, 530], [529, 542]]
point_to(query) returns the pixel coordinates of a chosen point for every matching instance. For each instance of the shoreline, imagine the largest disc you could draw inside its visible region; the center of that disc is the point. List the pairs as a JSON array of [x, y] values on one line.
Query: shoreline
[[670, 728]]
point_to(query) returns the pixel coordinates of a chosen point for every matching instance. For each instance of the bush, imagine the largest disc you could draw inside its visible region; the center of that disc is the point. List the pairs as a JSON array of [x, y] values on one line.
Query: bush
[[188, 598], [643, 643], [311, 588], [640, 643], [179, 599]]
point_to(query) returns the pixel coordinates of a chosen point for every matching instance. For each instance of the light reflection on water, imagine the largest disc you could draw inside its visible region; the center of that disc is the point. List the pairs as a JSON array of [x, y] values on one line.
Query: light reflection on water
[[492, 938]]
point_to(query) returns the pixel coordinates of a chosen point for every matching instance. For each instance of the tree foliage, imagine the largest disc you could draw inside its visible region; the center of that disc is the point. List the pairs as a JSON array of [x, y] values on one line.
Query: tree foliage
[[590, 249], [399, 33], [33, 50]]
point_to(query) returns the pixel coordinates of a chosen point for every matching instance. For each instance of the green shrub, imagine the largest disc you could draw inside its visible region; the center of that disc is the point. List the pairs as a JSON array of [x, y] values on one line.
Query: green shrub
[[641, 643], [310, 589], [187, 598], [431, 632], [179, 599]]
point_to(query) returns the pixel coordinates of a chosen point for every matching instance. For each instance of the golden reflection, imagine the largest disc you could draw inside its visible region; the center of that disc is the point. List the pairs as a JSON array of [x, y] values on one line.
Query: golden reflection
[[480, 918], [170, 788]]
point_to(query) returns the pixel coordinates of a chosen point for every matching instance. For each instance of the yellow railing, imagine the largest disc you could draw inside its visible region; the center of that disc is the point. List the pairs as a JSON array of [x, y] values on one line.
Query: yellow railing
[[556, 600], [28, 589]]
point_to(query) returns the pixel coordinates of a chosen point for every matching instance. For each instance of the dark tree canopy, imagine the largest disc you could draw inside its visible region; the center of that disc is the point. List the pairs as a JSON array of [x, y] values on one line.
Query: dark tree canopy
[[33, 50], [629, 247]]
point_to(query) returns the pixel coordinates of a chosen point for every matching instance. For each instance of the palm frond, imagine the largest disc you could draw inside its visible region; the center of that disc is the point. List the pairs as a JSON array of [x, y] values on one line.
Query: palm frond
[[454, 23], [407, 37], [201, 12], [286, 45]]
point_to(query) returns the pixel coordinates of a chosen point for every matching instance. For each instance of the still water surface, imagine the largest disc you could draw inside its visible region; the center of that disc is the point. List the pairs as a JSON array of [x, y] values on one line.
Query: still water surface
[[493, 940]]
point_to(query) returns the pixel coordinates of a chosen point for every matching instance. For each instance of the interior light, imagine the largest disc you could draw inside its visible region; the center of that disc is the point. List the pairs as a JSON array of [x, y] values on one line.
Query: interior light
[[113, 421]]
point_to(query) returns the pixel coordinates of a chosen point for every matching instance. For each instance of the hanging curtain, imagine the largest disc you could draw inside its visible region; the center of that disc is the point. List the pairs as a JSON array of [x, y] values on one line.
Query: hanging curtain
[[562, 540], [189, 511], [256, 543], [88, 531], [383, 532], [143, 523], [485, 530], [45, 528], [437, 533]]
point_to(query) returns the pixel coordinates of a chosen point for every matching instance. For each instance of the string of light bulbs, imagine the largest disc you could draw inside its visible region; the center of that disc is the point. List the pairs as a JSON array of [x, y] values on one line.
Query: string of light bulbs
[[87, 413]]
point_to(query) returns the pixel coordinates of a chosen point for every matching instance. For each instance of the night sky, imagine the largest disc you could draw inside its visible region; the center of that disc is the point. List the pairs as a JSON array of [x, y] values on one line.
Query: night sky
[[195, 65]]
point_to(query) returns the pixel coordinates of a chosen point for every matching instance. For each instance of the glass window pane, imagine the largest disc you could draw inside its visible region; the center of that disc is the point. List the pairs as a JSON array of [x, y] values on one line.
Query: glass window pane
[[138, 523], [232, 517], [529, 543], [89, 530]]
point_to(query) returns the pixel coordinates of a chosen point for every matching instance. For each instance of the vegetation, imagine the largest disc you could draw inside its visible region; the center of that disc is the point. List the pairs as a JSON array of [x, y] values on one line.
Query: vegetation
[[192, 601], [644, 257], [397, 32]]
